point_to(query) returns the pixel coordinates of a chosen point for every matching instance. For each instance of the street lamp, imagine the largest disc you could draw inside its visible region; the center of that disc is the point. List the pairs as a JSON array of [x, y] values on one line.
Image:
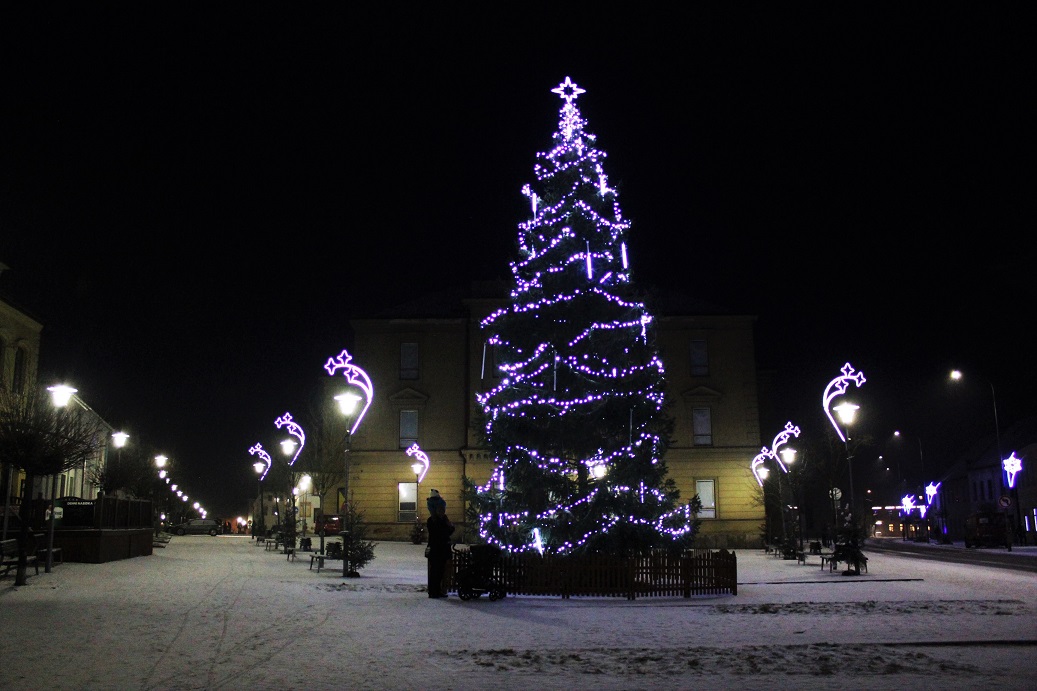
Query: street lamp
[[846, 412], [61, 394], [259, 467], [761, 471], [921, 473], [956, 375], [353, 406], [348, 404], [417, 468], [788, 457], [262, 467], [288, 448]]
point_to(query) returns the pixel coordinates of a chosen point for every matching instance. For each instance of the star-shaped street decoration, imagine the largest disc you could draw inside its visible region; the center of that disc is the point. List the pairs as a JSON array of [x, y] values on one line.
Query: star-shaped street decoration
[[568, 90], [1012, 465]]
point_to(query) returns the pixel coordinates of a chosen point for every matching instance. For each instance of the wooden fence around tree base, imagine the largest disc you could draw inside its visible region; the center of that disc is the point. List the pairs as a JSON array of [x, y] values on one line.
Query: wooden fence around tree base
[[699, 572]]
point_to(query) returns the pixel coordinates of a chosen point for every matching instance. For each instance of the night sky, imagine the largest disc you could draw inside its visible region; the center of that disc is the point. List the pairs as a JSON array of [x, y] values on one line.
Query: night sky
[[194, 203]]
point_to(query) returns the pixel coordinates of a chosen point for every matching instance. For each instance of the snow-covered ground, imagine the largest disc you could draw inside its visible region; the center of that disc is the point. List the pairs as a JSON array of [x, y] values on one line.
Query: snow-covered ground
[[223, 613]]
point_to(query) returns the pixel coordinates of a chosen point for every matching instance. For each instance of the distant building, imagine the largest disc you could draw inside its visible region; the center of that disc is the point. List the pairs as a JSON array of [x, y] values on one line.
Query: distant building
[[19, 361], [427, 362], [978, 482]]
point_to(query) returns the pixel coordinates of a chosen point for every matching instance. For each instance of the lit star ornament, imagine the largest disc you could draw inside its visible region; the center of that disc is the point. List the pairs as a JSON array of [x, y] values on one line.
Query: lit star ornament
[[295, 430], [422, 458], [568, 90], [1012, 465], [837, 387]]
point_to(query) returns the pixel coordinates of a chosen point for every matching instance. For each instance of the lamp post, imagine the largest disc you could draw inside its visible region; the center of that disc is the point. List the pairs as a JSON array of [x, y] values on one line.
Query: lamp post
[[846, 412], [262, 467], [417, 468], [160, 463], [259, 467], [292, 449], [788, 456], [119, 440], [761, 472], [956, 375], [61, 394], [288, 448], [353, 406], [921, 473]]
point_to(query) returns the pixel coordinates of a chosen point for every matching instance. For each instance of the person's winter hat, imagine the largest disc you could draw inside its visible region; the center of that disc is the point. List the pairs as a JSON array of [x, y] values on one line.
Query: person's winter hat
[[435, 501]]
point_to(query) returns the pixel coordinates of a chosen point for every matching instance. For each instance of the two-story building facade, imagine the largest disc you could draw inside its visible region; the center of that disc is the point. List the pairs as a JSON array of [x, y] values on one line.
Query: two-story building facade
[[427, 362]]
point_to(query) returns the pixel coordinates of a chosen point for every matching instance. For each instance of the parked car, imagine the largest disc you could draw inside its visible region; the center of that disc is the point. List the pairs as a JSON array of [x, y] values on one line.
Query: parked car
[[330, 524], [198, 526]]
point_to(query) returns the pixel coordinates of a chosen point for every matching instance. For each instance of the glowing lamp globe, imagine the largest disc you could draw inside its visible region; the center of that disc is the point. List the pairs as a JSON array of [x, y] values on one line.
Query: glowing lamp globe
[[347, 402], [61, 394], [846, 412]]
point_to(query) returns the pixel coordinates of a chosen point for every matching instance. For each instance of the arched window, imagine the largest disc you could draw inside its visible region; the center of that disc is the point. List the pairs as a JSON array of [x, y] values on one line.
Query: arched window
[[18, 380]]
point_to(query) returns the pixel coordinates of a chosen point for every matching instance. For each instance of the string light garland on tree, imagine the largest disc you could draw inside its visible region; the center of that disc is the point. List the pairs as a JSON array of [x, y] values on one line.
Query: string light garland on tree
[[577, 423]]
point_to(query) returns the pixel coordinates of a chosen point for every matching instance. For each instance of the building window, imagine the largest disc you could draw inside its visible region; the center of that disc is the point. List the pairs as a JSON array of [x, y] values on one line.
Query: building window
[[699, 359], [408, 428], [706, 489], [18, 380], [408, 361], [702, 421], [490, 370], [408, 511]]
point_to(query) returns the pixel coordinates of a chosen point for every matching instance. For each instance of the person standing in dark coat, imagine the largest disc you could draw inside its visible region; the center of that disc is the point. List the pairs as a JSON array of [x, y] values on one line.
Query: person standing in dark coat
[[439, 530]]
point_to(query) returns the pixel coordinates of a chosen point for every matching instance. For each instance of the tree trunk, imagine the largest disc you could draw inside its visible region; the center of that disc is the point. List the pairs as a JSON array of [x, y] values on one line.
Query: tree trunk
[[26, 516]]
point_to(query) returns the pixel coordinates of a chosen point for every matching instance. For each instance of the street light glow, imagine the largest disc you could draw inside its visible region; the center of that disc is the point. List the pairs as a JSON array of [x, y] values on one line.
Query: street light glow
[[347, 402], [119, 439], [61, 394], [847, 412]]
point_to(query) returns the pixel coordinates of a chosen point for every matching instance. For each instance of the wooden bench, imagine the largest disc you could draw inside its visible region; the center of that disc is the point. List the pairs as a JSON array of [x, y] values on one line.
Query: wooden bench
[[827, 557], [319, 560], [9, 558]]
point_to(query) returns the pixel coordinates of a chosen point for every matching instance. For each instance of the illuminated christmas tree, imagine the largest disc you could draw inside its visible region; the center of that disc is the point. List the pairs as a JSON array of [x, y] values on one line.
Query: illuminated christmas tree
[[577, 423]]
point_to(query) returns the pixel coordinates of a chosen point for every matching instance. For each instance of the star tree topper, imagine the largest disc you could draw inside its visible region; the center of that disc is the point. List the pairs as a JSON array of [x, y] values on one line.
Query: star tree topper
[[568, 90]]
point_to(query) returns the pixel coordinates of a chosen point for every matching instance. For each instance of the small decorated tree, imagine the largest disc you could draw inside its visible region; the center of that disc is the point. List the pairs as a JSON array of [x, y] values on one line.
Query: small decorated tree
[[357, 550]]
